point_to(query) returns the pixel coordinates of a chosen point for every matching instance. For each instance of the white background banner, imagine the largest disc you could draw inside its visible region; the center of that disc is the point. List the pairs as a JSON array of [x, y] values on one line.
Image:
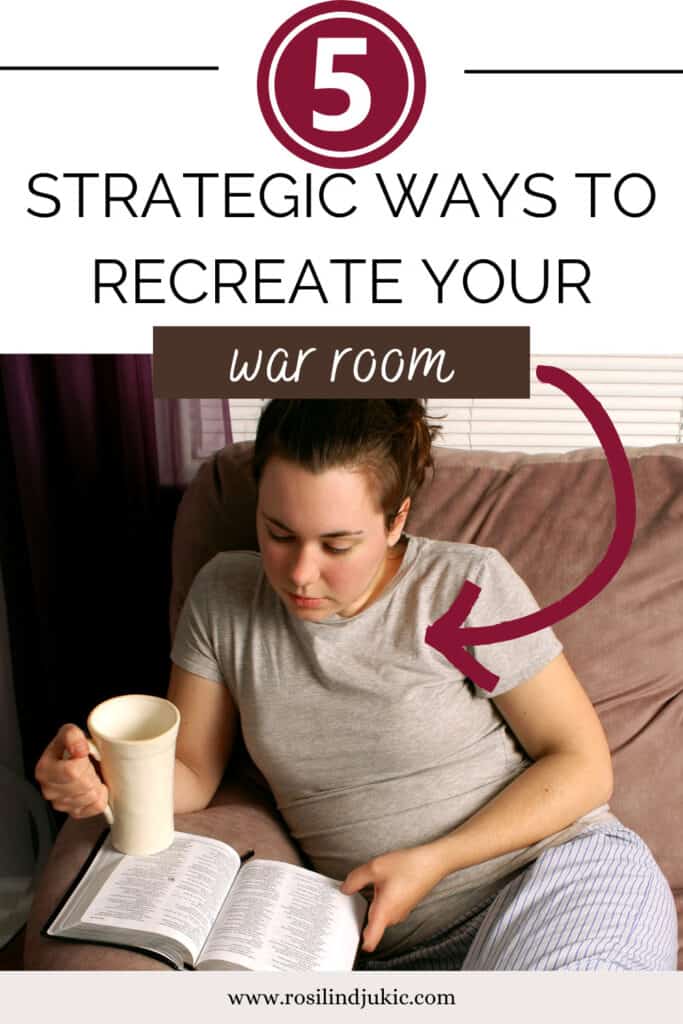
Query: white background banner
[[540, 130]]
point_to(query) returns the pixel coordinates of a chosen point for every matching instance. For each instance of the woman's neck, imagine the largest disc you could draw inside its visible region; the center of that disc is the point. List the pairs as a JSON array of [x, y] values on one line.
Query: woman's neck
[[392, 563]]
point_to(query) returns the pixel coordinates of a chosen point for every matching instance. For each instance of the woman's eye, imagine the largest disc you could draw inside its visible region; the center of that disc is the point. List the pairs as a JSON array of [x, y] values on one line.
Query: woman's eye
[[283, 538]]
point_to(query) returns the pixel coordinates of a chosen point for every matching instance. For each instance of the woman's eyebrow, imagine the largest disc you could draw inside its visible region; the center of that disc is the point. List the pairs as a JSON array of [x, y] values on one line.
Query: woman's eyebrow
[[334, 533]]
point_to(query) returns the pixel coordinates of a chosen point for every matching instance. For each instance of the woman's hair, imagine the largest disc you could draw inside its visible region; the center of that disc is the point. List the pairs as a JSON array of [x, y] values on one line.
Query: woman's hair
[[389, 438]]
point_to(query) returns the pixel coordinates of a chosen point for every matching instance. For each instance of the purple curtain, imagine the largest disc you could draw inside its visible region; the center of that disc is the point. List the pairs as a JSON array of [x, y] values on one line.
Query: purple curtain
[[85, 538]]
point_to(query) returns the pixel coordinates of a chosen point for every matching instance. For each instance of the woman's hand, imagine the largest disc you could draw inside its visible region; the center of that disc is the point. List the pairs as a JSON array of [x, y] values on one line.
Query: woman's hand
[[71, 785], [400, 879]]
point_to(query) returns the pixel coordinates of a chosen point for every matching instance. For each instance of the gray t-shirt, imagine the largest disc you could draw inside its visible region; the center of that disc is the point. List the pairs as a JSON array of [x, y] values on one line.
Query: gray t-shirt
[[370, 739]]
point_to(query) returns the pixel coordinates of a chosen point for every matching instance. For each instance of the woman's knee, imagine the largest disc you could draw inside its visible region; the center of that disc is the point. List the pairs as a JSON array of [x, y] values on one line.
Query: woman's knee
[[598, 902]]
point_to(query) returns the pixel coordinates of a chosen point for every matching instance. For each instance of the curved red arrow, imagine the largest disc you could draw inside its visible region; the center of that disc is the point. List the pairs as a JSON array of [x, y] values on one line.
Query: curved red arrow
[[450, 637]]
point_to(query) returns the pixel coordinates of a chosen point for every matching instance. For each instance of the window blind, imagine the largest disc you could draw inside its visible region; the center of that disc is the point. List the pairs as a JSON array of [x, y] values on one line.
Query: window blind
[[244, 414], [642, 394]]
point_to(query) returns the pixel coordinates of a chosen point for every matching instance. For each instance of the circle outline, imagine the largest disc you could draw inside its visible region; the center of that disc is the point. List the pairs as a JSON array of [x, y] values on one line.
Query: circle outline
[[398, 124], [402, 43]]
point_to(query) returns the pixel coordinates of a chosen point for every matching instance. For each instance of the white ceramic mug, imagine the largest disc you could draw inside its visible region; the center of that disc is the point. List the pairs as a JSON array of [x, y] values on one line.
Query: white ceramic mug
[[134, 738]]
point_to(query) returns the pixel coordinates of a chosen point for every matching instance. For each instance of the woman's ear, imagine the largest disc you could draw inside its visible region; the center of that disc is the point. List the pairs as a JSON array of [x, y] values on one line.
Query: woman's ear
[[399, 522]]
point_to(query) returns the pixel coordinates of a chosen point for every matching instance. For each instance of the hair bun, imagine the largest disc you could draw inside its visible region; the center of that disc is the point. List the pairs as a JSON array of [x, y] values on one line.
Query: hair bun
[[392, 438]]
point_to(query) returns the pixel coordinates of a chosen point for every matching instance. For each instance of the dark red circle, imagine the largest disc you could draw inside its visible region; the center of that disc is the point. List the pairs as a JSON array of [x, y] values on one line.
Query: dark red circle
[[382, 68]]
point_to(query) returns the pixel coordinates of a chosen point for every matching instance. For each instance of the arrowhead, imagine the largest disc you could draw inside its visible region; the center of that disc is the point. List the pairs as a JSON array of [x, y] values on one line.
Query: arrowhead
[[445, 636]]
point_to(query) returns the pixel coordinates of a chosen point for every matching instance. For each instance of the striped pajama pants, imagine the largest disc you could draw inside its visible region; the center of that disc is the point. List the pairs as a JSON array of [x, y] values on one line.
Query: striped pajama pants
[[598, 902]]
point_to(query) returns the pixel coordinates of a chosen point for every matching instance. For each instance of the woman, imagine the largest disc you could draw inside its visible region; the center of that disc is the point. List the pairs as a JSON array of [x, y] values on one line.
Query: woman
[[477, 824]]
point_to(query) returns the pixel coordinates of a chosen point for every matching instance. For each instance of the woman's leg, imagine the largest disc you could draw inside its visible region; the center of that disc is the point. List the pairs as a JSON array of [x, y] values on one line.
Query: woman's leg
[[445, 951], [597, 902]]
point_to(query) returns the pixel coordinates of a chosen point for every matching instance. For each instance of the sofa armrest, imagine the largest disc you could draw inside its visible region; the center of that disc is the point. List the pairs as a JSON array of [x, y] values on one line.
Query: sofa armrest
[[239, 814]]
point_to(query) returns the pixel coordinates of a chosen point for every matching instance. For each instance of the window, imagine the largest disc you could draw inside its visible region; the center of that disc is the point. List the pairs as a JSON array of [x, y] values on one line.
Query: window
[[642, 394]]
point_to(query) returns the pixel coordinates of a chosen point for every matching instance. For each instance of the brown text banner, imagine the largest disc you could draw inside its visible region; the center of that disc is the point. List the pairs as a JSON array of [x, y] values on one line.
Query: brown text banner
[[341, 362]]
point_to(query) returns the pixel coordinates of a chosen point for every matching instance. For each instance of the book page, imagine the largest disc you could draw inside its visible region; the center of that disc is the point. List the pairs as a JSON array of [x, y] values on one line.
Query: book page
[[176, 893], [282, 917]]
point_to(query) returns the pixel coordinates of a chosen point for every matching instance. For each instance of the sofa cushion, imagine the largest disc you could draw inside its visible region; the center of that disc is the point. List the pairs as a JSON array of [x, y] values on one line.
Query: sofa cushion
[[552, 516]]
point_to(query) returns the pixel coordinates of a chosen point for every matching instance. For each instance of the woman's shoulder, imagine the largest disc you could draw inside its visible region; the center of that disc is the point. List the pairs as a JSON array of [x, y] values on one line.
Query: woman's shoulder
[[503, 594], [453, 555], [226, 561], [230, 571], [442, 566]]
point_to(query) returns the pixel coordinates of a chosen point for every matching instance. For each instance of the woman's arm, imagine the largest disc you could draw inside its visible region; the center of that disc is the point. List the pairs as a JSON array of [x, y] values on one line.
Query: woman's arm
[[207, 729], [208, 723], [553, 719]]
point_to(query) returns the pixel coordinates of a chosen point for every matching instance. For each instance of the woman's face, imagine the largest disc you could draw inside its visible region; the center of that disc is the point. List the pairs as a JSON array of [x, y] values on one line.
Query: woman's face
[[322, 538]]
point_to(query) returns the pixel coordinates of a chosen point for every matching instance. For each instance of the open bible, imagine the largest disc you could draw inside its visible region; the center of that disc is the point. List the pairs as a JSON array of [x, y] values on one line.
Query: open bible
[[197, 905]]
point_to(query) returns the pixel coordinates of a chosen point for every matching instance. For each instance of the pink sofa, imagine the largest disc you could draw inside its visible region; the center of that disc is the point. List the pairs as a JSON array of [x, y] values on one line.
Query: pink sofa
[[552, 517]]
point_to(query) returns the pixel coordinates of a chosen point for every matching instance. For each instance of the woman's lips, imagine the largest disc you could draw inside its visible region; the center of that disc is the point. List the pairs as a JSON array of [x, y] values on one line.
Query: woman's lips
[[306, 602]]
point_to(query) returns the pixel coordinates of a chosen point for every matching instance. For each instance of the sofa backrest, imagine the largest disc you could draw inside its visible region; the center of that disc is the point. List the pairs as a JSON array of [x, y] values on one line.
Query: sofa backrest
[[552, 517]]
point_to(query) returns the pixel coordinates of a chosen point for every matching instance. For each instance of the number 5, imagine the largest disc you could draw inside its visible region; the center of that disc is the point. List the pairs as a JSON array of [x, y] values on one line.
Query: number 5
[[355, 87]]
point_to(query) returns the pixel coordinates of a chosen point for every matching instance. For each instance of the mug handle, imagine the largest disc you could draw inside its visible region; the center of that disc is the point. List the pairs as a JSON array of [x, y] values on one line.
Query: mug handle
[[94, 752]]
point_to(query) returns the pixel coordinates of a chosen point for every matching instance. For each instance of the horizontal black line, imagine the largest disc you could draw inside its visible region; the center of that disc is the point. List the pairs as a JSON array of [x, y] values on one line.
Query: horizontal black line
[[574, 71], [111, 67]]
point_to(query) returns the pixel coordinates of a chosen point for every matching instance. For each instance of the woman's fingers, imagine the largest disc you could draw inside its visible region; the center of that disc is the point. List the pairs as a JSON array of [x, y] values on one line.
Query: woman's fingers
[[96, 806], [81, 793], [83, 804], [93, 803], [74, 740], [71, 785], [52, 768]]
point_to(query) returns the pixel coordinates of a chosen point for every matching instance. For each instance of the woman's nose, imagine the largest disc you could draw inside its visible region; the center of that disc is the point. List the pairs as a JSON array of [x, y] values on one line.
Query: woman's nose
[[304, 569]]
